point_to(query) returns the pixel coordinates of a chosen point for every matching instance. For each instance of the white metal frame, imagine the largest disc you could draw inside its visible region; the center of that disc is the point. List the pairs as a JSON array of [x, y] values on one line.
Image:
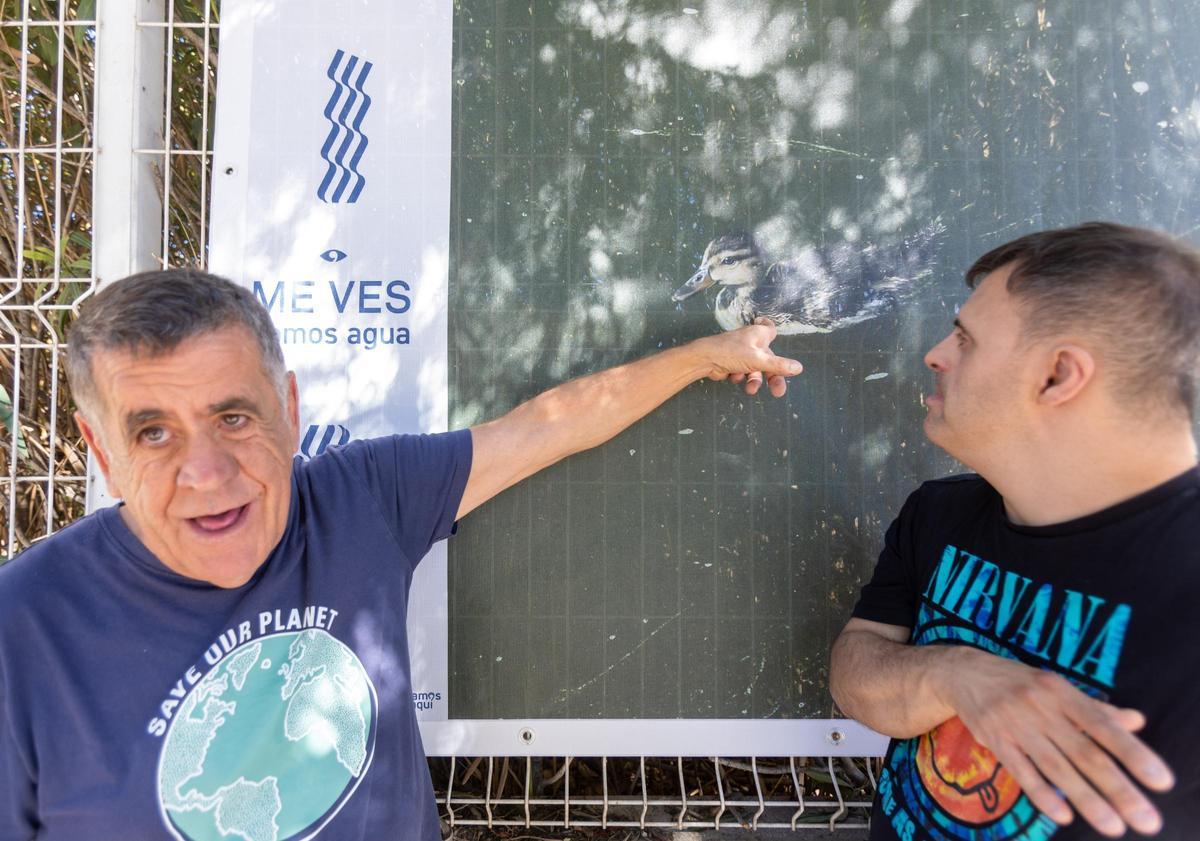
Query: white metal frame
[[130, 64], [650, 737]]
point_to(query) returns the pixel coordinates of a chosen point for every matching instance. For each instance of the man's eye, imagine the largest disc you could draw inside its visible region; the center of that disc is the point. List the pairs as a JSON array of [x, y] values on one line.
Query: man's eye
[[152, 435], [234, 421]]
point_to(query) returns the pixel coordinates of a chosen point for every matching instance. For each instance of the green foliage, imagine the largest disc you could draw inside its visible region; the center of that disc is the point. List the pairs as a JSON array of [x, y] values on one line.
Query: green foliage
[[71, 266], [9, 420]]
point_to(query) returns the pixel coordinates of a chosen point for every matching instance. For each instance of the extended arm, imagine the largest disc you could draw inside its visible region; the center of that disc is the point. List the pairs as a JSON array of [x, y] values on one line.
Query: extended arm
[[588, 411], [1043, 730]]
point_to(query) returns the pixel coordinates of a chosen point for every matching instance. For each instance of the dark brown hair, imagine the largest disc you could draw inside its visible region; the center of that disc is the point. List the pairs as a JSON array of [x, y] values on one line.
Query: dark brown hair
[[154, 311], [1136, 292]]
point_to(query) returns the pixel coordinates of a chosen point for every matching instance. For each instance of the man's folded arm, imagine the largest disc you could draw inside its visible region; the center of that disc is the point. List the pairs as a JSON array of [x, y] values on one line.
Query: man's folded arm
[[1058, 744], [877, 678]]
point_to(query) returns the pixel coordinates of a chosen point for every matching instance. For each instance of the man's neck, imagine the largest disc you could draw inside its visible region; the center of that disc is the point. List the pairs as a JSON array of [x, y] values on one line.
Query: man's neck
[[1057, 484]]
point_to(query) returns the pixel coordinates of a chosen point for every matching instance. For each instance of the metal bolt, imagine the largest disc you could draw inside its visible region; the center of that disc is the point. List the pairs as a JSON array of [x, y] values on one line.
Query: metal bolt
[[526, 735], [835, 737]]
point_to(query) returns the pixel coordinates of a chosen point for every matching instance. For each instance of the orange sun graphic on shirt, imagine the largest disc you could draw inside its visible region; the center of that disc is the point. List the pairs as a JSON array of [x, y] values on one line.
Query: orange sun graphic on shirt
[[963, 776]]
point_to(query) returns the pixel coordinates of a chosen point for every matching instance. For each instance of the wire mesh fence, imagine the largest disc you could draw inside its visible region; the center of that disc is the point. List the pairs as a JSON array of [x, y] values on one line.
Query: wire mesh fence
[[49, 75], [47, 112], [612, 793]]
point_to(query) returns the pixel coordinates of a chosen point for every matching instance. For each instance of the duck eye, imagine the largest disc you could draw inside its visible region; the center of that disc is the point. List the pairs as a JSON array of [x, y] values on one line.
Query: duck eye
[[728, 261], [333, 255]]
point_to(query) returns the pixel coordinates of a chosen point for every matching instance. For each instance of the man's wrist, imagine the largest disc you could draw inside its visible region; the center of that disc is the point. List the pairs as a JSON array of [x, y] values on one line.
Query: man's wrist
[[942, 671], [693, 358]]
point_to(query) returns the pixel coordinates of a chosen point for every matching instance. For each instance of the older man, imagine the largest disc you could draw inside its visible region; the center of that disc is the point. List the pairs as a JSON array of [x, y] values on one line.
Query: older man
[[1024, 623], [224, 654]]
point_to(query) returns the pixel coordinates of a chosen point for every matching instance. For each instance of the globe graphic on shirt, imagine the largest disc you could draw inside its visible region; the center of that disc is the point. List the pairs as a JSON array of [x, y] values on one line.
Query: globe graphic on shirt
[[270, 743]]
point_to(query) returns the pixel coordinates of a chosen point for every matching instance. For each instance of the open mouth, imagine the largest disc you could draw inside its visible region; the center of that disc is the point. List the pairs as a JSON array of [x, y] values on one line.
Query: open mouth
[[219, 523]]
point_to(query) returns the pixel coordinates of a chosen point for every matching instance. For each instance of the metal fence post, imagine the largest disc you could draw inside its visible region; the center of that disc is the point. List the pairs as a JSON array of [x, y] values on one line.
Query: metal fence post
[[128, 205]]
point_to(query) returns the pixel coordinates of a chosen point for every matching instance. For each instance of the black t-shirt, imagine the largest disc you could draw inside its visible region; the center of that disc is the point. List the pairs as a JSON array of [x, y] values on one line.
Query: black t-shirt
[[1109, 601]]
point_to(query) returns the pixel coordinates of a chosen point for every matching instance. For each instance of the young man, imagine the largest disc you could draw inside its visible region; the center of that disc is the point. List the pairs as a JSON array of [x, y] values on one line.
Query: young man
[[224, 655], [1024, 623]]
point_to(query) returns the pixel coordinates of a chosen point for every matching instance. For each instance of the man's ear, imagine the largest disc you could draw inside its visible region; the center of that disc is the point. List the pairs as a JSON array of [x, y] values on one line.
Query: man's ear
[[93, 441], [293, 409], [1069, 369]]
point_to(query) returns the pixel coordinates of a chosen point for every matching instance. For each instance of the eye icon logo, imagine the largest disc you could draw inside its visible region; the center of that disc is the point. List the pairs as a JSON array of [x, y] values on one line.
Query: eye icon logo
[[320, 437], [333, 256]]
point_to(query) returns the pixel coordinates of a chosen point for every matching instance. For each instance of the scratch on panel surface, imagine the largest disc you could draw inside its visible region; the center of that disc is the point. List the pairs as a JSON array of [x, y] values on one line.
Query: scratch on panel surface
[[762, 665], [568, 693]]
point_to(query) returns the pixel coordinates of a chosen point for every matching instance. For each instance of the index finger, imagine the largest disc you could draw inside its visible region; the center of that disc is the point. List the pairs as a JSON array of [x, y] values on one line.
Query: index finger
[[773, 365], [763, 321]]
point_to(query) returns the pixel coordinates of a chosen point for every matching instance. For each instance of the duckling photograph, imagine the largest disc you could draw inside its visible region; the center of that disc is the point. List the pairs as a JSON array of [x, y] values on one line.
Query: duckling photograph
[[820, 289]]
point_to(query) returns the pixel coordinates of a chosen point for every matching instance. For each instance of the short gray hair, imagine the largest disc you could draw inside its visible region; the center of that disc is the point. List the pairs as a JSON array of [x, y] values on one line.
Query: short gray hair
[[153, 312]]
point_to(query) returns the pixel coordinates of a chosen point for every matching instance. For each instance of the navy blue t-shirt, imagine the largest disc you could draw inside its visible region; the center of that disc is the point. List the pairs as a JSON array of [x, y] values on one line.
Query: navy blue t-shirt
[[137, 703]]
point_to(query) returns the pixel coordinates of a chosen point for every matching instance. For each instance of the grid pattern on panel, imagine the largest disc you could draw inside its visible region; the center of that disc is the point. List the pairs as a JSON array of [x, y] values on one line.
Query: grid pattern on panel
[[718, 546], [700, 564]]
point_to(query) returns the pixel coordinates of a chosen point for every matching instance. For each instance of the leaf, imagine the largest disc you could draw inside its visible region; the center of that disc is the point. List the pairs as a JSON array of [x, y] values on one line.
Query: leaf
[[39, 254], [42, 254], [71, 291], [8, 418], [46, 49], [195, 128], [86, 11]]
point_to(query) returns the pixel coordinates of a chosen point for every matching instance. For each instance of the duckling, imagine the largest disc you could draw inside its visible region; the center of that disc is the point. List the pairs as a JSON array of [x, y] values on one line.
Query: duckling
[[819, 290]]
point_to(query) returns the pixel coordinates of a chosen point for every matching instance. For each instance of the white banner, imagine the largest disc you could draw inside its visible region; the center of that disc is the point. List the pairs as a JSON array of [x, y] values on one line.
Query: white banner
[[331, 200]]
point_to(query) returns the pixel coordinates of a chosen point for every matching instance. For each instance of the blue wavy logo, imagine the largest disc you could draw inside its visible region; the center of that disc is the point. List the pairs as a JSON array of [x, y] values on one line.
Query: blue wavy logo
[[320, 437], [345, 144]]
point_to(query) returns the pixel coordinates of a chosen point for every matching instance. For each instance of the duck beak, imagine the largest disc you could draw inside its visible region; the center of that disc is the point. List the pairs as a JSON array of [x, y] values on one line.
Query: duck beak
[[700, 280]]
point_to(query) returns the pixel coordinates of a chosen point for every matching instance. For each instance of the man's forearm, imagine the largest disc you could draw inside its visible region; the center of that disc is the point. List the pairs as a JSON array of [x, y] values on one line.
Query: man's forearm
[[588, 411], [890, 686], [581, 414]]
